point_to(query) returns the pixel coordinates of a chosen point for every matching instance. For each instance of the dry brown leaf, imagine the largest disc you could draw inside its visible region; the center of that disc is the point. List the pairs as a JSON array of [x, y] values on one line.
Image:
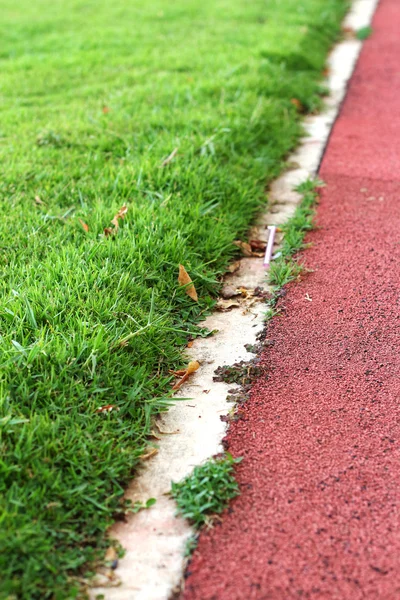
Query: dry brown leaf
[[244, 246], [170, 157], [258, 245], [233, 267], [119, 215], [85, 227], [191, 368], [225, 305], [245, 292], [107, 408], [39, 201], [348, 32], [149, 454], [184, 279], [115, 223], [154, 435], [297, 104], [190, 344], [178, 373]]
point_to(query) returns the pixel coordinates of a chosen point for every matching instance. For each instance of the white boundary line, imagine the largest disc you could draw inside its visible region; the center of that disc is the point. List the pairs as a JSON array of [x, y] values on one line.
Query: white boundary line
[[155, 539]]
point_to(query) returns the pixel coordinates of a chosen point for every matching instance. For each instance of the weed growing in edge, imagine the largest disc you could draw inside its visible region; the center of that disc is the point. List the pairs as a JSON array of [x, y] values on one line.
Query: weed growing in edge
[[286, 268], [207, 490], [283, 271], [364, 33], [191, 545]]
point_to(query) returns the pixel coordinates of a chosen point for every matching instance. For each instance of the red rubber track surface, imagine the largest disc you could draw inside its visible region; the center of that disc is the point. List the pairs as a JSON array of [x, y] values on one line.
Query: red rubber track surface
[[318, 516]]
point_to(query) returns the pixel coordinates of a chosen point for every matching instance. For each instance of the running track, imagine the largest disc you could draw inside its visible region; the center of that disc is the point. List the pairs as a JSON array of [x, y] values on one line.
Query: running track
[[318, 516]]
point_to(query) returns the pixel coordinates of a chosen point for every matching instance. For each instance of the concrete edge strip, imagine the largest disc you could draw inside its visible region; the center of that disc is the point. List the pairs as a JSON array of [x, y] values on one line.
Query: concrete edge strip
[[192, 431]]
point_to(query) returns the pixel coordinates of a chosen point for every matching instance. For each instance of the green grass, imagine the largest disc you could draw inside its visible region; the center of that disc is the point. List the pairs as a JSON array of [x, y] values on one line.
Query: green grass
[[364, 33], [94, 97], [207, 491], [286, 267]]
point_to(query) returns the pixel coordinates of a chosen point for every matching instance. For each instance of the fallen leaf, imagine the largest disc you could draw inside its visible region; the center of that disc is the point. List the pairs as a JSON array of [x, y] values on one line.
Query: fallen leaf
[[233, 267], [348, 31], [245, 292], [184, 279], [154, 435], [119, 215], [39, 201], [116, 224], [225, 305], [179, 372], [247, 249], [170, 157], [149, 454], [258, 245], [85, 227], [244, 246], [190, 344], [191, 368], [105, 110], [297, 104], [107, 408]]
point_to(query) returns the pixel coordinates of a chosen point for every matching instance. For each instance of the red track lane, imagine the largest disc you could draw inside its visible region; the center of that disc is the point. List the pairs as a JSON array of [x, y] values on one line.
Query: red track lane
[[318, 516]]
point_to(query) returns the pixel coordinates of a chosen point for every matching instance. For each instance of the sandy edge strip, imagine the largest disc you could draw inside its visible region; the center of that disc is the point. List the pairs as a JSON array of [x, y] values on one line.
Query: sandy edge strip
[[155, 539]]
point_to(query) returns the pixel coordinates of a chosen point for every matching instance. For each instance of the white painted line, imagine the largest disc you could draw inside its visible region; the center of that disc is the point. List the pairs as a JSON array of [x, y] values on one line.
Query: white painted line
[[155, 539], [270, 245]]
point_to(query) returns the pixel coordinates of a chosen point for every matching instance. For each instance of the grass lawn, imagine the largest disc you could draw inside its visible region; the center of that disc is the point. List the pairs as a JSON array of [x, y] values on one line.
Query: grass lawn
[[94, 97]]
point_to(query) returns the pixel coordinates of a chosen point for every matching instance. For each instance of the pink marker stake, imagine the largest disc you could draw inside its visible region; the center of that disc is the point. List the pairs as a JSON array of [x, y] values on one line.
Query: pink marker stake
[[270, 245]]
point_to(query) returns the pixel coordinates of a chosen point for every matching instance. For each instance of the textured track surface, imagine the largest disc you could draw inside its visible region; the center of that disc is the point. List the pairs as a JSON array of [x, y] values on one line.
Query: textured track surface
[[319, 512]]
